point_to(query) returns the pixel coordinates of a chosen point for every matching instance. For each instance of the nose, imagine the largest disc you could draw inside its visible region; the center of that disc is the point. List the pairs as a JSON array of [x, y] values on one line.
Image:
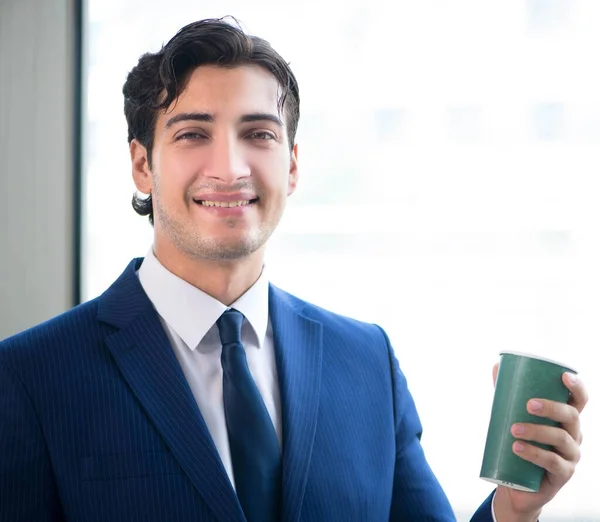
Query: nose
[[226, 162]]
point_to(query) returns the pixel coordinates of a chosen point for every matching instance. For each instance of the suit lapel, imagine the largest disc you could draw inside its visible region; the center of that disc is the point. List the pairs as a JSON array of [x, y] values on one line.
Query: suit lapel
[[298, 348], [145, 357]]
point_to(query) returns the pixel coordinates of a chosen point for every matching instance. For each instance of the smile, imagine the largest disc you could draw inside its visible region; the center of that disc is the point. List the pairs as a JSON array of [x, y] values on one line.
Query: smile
[[226, 204]]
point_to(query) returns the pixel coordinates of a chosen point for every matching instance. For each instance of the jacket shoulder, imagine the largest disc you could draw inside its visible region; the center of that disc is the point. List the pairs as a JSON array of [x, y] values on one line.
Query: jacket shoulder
[[335, 323], [77, 323]]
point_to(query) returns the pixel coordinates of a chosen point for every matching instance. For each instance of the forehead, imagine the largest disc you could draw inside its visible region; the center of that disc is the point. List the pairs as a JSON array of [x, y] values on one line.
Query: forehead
[[222, 90]]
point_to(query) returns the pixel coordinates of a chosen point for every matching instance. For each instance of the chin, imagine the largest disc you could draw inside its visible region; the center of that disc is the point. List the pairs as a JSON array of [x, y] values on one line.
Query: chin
[[218, 249]]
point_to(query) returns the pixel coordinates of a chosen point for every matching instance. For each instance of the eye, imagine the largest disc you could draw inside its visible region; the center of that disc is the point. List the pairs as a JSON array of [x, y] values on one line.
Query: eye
[[261, 136], [190, 135]]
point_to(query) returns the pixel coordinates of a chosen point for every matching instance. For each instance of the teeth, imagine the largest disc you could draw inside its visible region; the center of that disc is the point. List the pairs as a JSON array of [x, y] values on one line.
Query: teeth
[[225, 203]]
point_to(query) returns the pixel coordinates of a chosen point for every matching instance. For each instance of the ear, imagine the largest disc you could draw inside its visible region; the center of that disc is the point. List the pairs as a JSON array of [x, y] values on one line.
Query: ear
[[293, 175], [142, 176]]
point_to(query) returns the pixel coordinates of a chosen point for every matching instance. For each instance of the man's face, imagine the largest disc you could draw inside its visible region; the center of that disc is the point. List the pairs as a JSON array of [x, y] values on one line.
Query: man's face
[[221, 164]]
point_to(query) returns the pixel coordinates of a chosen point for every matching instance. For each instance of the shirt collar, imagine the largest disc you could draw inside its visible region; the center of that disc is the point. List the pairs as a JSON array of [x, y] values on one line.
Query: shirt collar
[[191, 312]]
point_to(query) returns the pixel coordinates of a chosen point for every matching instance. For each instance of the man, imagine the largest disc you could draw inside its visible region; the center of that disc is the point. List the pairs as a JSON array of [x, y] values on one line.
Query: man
[[194, 390]]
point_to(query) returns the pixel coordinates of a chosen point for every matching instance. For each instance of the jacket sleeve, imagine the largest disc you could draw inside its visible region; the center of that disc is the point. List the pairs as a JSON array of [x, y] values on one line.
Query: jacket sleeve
[[484, 513], [27, 488], [417, 494]]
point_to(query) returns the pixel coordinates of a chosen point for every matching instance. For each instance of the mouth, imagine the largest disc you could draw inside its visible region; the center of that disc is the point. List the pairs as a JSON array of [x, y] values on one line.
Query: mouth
[[225, 204]]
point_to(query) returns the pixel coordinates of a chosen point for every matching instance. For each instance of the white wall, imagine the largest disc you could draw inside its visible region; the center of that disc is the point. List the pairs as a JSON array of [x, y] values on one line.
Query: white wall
[[36, 111]]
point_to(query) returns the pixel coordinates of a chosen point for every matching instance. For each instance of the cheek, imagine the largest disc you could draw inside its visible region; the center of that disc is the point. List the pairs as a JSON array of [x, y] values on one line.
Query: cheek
[[273, 175], [176, 172]]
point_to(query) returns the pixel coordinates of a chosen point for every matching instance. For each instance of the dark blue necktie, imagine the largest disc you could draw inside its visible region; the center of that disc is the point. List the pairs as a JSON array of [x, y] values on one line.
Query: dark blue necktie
[[253, 442]]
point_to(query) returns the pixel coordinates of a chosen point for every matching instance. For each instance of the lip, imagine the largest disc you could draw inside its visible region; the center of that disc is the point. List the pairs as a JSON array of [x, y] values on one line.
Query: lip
[[225, 211], [225, 196]]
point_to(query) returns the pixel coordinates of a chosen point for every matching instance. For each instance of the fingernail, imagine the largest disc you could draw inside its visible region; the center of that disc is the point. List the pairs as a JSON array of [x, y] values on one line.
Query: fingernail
[[518, 447], [518, 429], [572, 377], [535, 405]]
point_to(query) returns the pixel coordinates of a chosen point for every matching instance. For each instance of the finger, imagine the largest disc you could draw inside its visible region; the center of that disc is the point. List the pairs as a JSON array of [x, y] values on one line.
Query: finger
[[579, 395], [565, 414], [556, 411], [495, 373], [558, 438], [552, 462]]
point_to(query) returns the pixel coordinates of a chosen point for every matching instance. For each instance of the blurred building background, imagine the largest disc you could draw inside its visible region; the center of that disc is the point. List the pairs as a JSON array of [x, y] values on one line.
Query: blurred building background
[[450, 172], [37, 110]]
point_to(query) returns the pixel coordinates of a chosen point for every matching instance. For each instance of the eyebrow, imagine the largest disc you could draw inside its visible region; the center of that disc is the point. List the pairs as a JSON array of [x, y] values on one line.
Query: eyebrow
[[261, 116], [190, 116], [209, 118]]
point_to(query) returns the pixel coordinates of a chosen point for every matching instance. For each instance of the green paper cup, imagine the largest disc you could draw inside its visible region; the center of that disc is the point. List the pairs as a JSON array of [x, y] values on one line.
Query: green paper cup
[[521, 377]]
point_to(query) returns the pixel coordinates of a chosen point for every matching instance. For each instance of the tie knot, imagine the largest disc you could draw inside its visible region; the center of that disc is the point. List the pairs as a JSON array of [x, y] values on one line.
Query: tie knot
[[230, 326]]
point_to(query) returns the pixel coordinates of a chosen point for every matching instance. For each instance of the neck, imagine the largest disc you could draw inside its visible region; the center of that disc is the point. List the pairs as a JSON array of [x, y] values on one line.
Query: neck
[[226, 281]]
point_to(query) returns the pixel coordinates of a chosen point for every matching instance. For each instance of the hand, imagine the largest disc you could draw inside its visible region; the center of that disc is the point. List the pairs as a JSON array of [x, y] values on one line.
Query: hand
[[510, 504]]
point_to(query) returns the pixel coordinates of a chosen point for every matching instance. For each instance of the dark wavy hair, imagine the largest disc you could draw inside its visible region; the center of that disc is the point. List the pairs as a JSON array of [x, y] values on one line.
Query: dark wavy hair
[[159, 78]]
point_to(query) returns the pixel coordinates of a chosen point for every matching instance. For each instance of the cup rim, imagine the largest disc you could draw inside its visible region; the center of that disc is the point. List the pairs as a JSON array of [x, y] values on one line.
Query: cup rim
[[540, 358]]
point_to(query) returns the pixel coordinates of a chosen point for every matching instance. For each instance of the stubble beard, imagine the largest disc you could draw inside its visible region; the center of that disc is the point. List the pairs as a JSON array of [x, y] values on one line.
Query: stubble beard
[[188, 238]]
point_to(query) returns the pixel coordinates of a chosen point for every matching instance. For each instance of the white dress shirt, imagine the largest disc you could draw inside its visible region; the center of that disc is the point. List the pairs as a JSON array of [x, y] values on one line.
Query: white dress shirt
[[189, 317]]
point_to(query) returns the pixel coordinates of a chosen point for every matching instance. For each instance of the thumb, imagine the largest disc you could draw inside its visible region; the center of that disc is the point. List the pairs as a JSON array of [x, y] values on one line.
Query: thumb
[[495, 372]]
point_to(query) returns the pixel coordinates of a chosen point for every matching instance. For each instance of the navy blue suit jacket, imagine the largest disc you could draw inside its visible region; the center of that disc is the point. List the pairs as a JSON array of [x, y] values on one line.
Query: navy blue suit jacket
[[97, 422]]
